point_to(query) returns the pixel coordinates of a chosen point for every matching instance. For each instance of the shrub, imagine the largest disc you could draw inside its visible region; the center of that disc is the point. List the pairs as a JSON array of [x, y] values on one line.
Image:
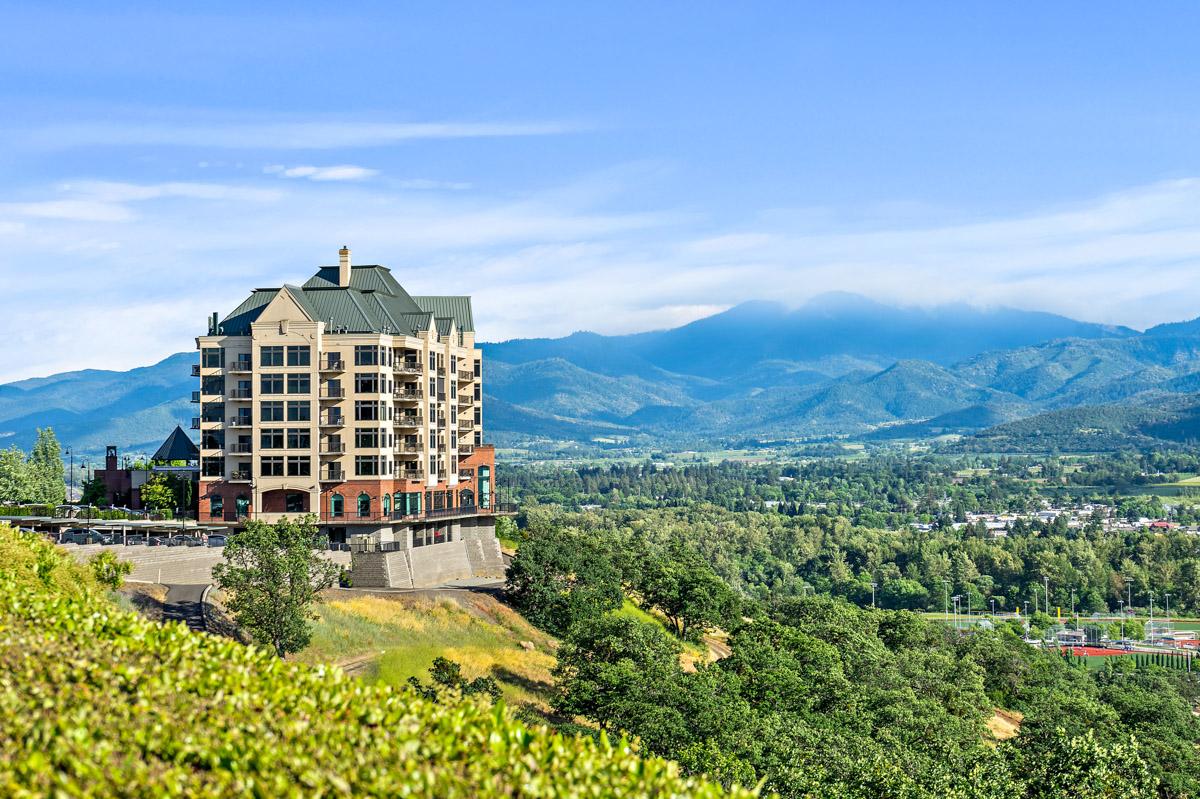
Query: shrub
[[97, 701], [108, 570]]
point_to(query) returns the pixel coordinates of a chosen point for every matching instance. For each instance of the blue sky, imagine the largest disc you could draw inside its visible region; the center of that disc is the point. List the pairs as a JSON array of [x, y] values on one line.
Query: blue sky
[[606, 166]]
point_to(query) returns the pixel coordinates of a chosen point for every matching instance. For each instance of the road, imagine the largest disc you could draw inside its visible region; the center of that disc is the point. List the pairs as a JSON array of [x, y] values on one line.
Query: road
[[185, 603]]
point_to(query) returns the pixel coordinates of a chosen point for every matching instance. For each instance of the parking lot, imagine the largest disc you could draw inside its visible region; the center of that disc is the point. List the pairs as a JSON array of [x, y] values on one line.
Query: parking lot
[[170, 565]]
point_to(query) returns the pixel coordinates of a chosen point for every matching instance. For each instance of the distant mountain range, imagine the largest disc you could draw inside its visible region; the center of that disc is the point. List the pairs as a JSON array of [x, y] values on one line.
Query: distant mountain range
[[838, 366]]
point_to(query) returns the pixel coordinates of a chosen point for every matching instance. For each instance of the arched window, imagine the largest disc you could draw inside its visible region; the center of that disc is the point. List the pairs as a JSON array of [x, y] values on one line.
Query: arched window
[[216, 505], [337, 506], [364, 505], [387, 504], [242, 504], [466, 498]]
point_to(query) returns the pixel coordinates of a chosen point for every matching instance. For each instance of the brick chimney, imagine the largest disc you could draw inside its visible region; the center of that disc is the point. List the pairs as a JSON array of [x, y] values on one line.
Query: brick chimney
[[344, 266]]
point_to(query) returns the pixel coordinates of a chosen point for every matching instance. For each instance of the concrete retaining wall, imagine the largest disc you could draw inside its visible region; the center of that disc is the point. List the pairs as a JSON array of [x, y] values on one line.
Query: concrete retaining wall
[[473, 551]]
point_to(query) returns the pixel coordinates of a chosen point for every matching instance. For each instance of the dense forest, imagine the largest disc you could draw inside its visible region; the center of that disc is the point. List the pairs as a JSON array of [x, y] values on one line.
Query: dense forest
[[818, 698], [836, 527]]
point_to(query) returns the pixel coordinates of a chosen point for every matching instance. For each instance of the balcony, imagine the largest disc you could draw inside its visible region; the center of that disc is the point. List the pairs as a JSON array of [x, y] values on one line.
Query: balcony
[[195, 422], [407, 421], [466, 377], [333, 448], [410, 474], [333, 420], [466, 449], [240, 447], [406, 448], [333, 365], [407, 396], [466, 425], [195, 370], [241, 421], [332, 393], [332, 476], [240, 394], [240, 476], [195, 396], [408, 367], [240, 365]]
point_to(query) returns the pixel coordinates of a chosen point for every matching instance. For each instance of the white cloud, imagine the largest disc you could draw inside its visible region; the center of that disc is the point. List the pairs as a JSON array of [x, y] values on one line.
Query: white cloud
[[552, 262], [272, 134], [340, 172]]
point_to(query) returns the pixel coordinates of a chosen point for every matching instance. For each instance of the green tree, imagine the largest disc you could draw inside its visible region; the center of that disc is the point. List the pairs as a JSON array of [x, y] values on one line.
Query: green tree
[[447, 681], [614, 670], [94, 492], [685, 588], [46, 469], [561, 576], [16, 483], [273, 574], [157, 494], [109, 571]]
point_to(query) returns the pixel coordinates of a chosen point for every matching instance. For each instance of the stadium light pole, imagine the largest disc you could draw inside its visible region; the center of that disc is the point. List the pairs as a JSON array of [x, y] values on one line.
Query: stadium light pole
[[1129, 592], [1047, 582], [1150, 594], [1167, 596], [1121, 603], [946, 604], [873, 586]]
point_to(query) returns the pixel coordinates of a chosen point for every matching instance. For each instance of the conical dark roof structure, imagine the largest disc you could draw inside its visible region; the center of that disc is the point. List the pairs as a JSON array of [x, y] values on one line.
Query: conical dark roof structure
[[177, 447]]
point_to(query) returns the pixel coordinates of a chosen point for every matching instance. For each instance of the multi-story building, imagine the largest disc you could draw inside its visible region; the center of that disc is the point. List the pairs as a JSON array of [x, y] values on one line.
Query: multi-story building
[[349, 399]]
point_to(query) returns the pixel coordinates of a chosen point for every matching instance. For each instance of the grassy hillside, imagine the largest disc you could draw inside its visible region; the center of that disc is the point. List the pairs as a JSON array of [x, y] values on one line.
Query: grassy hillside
[[387, 638], [95, 701]]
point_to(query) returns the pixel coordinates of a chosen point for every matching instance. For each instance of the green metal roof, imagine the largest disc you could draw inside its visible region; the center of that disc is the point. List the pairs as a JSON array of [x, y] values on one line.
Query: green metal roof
[[456, 308], [373, 303]]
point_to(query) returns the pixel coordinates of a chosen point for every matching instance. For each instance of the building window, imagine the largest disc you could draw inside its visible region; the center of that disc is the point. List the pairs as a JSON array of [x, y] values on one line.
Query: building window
[[387, 504], [216, 505], [337, 506], [366, 383], [213, 412], [212, 439], [298, 384], [293, 502], [364, 505], [298, 355], [366, 355], [271, 439], [271, 411], [213, 467], [270, 356], [299, 411], [212, 385], [299, 438], [466, 498], [366, 410], [272, 467], [242, 506], [366, 465], [271, 384], [366, 438], [299, 466], [484, 483], [212, 357]]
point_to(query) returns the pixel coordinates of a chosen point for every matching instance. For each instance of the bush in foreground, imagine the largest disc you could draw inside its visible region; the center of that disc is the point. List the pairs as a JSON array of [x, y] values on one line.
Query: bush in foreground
[[95, 701]]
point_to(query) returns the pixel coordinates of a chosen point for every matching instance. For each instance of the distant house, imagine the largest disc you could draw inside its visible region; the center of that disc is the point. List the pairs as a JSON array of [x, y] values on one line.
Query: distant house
[[1160, 524], [123, 487]]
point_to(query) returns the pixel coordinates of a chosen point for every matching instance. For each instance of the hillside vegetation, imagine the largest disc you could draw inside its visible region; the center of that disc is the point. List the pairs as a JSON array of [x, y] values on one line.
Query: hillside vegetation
[[95, 701]]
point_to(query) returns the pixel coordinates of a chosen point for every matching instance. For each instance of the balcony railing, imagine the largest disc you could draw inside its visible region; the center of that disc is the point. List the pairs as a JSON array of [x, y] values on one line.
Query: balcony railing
[[465, 377], [333, 447], [195, 370], [195, 396], [240, 447], [241, 421], [240, 394], [408, 449], [240, 365], [332, 475], [195, 422], [333, 393], [410, 474], [400, 394], [240, 476], [407, 421], [408, 367], [333, 421], [333, 365], [466, 449], [466, 424]]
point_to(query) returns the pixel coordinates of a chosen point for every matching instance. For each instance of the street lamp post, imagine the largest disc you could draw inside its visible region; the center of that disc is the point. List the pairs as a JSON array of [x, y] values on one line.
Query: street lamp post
[[946, 604], [1167, 596], [71, 475], [993, 607], [873, 586], [1121, 604], [1047, 582], [956, 599]]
